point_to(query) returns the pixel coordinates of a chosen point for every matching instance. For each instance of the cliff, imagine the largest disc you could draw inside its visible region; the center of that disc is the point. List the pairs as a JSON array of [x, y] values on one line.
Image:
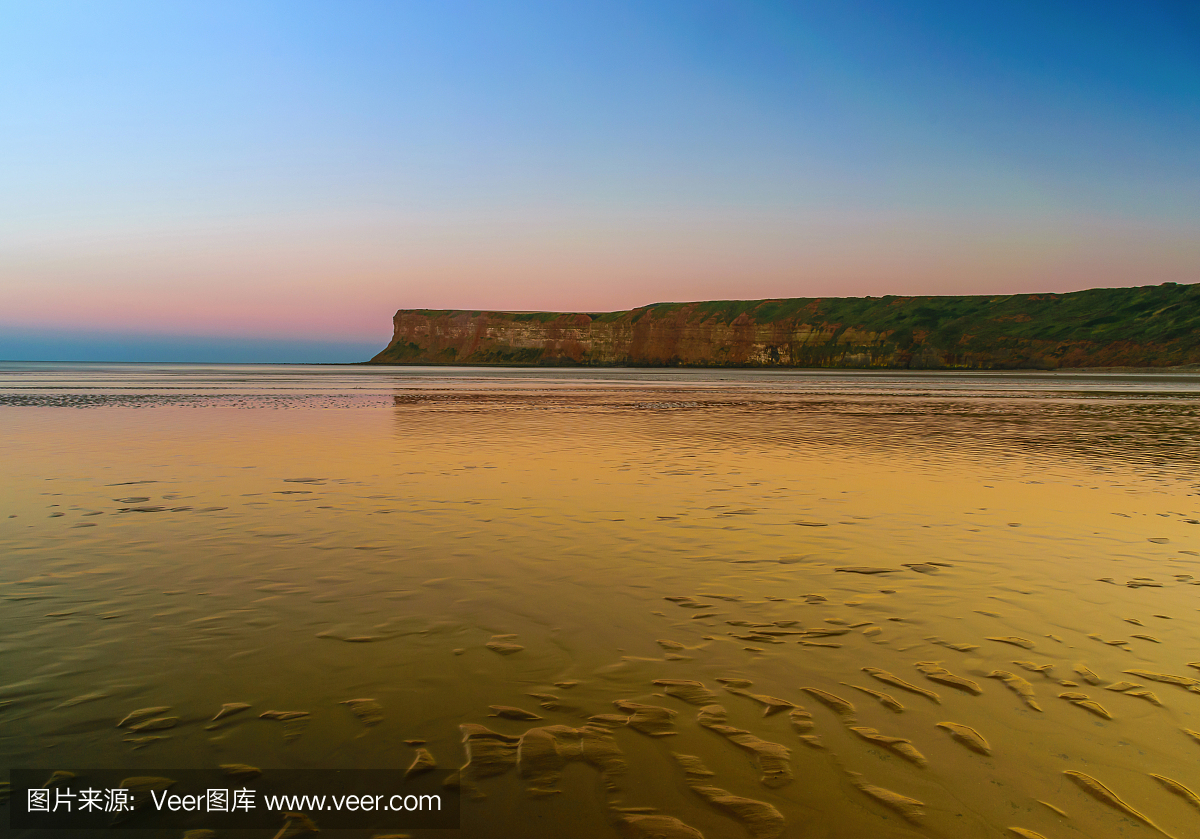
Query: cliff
[[1150, 326]]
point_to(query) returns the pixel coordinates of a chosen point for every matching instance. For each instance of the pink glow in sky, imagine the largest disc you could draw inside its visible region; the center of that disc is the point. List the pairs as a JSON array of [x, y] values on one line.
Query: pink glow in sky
[[343, 281], [301, 169]]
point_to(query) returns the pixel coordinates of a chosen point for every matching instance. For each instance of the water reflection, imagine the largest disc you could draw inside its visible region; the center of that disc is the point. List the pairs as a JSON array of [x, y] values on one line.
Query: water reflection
[[443, 544], [1145, 429]]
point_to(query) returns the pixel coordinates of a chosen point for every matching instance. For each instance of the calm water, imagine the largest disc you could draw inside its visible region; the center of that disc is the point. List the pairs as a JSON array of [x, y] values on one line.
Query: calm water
[[185, 536]]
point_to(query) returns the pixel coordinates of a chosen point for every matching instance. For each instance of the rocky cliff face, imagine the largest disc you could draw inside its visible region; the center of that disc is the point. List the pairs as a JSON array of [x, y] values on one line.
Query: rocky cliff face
[[1140, 327]]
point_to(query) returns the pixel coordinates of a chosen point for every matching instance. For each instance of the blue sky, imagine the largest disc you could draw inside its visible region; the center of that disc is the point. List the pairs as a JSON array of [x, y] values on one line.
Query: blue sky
[[296, 171]]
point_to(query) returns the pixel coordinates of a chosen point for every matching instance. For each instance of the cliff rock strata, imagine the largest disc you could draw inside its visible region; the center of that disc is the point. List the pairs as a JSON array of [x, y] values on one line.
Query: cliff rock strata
[[1149, 326]]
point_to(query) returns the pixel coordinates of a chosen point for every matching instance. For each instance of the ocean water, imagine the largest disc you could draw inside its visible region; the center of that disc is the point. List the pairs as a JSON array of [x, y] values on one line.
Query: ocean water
[[733, 603]]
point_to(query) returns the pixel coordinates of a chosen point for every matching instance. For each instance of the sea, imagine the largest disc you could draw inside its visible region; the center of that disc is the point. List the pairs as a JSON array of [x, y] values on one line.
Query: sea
[[601, 602]]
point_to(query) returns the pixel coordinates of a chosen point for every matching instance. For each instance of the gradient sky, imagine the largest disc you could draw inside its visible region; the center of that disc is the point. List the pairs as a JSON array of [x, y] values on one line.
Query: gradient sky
[[294, 171]]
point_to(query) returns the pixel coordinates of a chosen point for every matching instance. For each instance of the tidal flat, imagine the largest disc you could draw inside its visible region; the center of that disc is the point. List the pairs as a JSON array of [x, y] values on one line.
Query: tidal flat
[[603, 603]]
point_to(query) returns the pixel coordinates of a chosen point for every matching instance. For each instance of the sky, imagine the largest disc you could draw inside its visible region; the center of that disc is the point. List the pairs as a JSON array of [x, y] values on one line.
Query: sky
[[271, 181]]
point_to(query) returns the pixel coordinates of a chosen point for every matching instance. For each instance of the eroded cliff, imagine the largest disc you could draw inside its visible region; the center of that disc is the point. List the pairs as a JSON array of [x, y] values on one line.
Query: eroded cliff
[[1149, 326]]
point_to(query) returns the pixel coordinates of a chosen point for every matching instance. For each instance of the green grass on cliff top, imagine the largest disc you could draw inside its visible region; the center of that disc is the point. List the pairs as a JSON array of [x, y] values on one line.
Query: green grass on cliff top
[[1147, 314], [1161, 313]]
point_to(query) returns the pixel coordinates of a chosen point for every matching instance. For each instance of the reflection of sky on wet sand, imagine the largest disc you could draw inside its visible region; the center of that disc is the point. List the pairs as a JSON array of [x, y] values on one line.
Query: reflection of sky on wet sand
[[303, 538]]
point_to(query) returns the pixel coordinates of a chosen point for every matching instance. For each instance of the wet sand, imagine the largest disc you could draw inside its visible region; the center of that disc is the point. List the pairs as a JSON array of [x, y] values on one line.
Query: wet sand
[[729, 603]]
